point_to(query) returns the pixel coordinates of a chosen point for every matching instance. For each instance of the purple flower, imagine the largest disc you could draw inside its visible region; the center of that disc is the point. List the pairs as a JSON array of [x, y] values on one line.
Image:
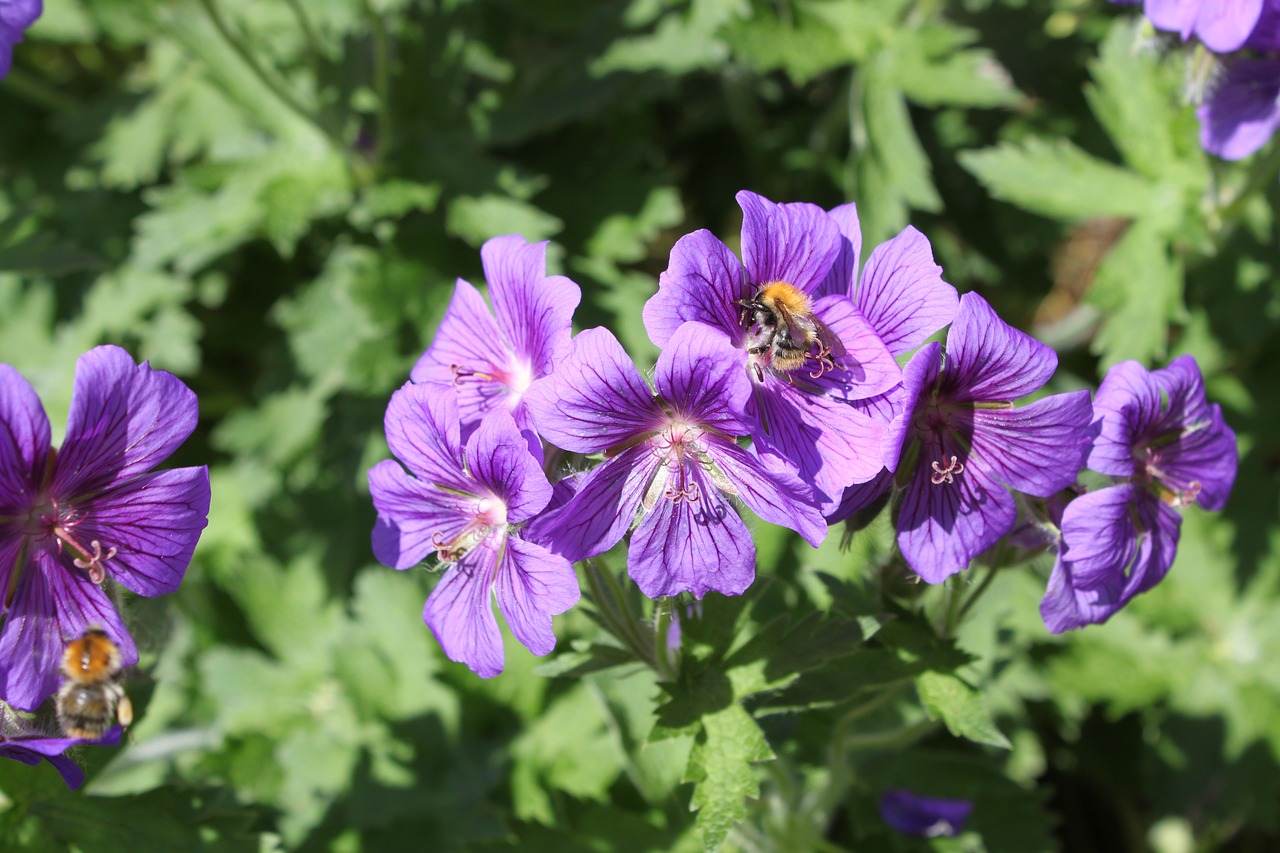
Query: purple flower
[[671, 457], [1167, 447], [71, 518], [492, 361], [1243, 110], [928, 817], [801, 416], [15, 17], [32, 749], [1223, 25], [970, 445], [466, 504]]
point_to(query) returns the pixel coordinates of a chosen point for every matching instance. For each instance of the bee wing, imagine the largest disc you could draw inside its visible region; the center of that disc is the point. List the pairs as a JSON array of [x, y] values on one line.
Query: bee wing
[[796, 329], [828, 338]]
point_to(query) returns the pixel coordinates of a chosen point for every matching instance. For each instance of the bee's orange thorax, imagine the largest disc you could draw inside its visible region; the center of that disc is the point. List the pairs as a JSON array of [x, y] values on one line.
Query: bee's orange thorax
[[91, 657], [787, 296]]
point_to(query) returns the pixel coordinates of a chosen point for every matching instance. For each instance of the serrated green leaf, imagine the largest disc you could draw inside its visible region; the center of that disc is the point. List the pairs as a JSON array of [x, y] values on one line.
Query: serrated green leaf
[[1055, 178], [682, 41], [934, 67], [892, 137], [476, 219], [721, 765], [960, 707]]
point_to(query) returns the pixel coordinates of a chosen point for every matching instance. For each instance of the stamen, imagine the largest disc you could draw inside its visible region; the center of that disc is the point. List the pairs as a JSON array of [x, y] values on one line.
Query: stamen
[[946, 475], [689, 493], [461, 374], [97, 573], [826, 363], [1187, 496]]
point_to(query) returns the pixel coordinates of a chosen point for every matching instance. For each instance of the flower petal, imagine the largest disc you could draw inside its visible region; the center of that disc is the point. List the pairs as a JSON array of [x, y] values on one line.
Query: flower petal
[[870, 370], [1243, 111], [24, 442], [777, 498], [842, 278], [125, 419], [703, 376], [1224, 25], [1178, 16], [410, 513], [499, 459], [684, 546], [796, 243], [596, 399], [702, 282], [532, 585], [1127, 404], [1207, 456], [927, 817], [608, 498], [459, 611], [859, 497], [423, 432], [153, 522], [990, 361], [942, 526], [534, 310], [902, 293], [1038, 448]]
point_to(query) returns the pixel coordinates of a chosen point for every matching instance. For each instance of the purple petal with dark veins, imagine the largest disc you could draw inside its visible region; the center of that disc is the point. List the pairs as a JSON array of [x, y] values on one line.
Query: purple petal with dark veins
[[842, 278], [423, 432], [990, 361], [1038, 448], [153, 522], [702, 282], [596, 399], [795, 243], [1127, 403], [608, 498], [24, 443], [1242, 112], [500, 461], [683, 546], [902, 293], [778, 498], [703, 376], [535, 311], [410, 513], [125, 419], [459, 610], [32, 750], [870, 370], [532, 585]]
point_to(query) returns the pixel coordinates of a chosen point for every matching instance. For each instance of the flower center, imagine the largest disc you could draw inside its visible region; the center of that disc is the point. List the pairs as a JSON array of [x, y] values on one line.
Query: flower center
[[671, 445], [946, 475], [516, 380], [1169, 488], [47, 520], [490, 514]]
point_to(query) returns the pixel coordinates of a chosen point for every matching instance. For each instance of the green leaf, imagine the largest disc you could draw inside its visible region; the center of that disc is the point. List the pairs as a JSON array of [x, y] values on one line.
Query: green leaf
[[1057, 179], [1138, 288], [720, 765], [682, 41], [960, 707], [934, 67], [476, 219], [892, 137]]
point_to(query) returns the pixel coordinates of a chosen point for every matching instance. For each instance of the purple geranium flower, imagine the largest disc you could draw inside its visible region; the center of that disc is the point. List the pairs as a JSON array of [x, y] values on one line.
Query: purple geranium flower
[[928, 817], [492, 361], [671, 457], [15, 17], [800, 415], [1167, 447], [32, 749], [1243, 110], [969, 443], [1223, 25], [73, 517], [466, 503]]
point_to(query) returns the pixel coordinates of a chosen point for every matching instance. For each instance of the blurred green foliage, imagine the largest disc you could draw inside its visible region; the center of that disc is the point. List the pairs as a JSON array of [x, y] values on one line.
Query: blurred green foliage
[[272, 199]]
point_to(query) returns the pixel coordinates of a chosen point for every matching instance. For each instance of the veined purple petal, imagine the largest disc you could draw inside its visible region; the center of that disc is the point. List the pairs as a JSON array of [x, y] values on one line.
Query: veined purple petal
[[1127, 403], [470, 355], [1241, 113], [422, 425], [870, 370], [608, 498], [990, 361], [153, 522], [125, 419], [842, 278], [53, 604], [1207, 456], [32, 750], [684, 546], [703, 376], [499, 460], [1224, 25], [861, 496], [796, 243], [459, 610], [24, 442], [410, 513], [829, 443], [702, 282], [15, 17], [1038, 448], [596, 399], [534, 310], [1178, 16], [532, 585], [928, 817], [776, 498], [902, 292], [1099, 539], [942, 526]]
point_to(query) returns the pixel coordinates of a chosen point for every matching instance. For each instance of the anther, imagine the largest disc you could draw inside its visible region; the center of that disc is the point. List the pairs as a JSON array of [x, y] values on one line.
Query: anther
[[826, 364], [946, 475], [97, 573], [461, 374]]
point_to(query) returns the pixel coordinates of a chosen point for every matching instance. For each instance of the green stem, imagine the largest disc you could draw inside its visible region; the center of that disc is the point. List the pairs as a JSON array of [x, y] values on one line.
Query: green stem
[[610, 601], [381, 79], [38, 92], [314, 52], [901, 736], [983, 586]]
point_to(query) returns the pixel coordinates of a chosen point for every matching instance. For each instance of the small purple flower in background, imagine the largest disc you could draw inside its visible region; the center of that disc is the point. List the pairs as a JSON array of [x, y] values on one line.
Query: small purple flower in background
[[32, 749], [492, 358], [70, 518], [15, 17], [671, 457], [464, 503], [970, 445], [1169, 448], [1223, 25], [799, 417], [1242, 112], [927, 817]]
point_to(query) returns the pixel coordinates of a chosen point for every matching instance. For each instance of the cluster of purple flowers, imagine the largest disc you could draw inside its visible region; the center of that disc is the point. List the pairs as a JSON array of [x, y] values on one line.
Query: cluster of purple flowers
[[1242, 110], [93, 510], [802, 416]]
